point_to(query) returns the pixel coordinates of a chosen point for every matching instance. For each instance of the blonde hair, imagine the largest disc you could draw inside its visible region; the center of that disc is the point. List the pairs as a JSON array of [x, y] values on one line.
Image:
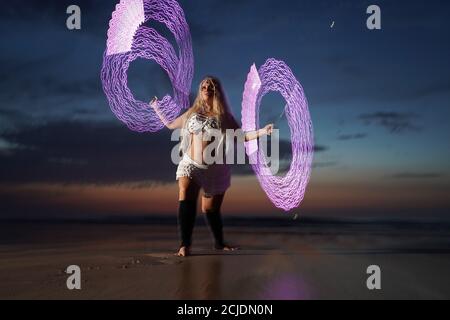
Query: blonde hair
[[220, 107]]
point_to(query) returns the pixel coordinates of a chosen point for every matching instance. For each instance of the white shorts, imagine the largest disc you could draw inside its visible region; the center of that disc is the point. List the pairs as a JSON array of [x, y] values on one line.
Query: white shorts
[[215, 179]]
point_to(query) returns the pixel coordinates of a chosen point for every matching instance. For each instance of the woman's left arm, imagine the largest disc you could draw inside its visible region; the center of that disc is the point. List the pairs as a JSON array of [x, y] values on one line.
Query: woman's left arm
[[252, 135]]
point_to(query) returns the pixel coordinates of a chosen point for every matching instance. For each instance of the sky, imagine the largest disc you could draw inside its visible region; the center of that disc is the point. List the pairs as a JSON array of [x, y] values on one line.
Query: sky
[[379, 103]]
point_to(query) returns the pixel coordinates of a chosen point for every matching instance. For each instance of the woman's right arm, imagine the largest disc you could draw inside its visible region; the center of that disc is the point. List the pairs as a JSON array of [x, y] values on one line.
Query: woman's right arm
[[175, 124]]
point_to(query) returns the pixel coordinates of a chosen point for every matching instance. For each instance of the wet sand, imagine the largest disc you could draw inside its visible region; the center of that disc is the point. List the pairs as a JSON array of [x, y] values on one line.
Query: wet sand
[[319, 260]]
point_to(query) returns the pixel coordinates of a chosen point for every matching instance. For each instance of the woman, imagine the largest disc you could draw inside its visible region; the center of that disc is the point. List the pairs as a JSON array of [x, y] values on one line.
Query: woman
[[210, 112]]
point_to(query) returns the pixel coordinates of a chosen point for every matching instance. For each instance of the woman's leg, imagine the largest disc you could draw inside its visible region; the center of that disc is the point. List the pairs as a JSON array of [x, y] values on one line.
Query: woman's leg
[[188, 194], [211, 206]]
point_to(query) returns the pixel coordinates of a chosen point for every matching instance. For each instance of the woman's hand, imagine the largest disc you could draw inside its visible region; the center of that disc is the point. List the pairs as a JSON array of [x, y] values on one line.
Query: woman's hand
[[175, 124], [252, 135], [154, 105], [269, 129], [154, 101]]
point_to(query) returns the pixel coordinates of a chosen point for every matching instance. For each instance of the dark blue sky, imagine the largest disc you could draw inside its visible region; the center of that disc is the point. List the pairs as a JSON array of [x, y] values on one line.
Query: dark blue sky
[[379, 100]]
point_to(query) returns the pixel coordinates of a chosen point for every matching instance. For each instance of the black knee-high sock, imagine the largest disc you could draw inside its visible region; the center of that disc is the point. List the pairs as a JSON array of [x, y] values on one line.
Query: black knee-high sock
[[186, 221], [215, 223]]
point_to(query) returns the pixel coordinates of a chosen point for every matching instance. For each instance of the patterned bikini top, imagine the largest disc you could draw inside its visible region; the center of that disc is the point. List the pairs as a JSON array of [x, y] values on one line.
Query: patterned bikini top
[[195, 124], [198, 122]]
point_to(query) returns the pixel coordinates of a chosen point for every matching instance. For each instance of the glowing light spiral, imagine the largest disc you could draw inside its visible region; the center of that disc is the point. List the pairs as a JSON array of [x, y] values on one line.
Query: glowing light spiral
[[288, 191], [129, 39]]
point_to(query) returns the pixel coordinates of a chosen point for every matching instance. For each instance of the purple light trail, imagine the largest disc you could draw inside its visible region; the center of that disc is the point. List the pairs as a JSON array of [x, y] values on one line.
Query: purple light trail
[[288, 191], [129, 39]]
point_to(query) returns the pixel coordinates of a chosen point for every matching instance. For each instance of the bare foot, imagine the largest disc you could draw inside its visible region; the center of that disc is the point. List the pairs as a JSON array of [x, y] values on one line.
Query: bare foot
[[183, 252], [227, 247]]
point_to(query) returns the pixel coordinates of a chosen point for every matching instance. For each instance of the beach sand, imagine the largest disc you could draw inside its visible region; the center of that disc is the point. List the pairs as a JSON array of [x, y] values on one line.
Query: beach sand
[[312, 260]]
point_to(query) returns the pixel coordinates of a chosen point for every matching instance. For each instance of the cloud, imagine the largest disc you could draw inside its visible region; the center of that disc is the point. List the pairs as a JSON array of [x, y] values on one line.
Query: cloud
[[320, 148], [394, 122], [7, 148], [354, 136], [95, 152], [81, 152], [285, 156]]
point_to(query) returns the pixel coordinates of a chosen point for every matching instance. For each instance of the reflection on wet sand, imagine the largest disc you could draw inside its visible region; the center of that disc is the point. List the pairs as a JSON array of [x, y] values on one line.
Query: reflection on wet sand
[[317, 260], [200, 283]]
